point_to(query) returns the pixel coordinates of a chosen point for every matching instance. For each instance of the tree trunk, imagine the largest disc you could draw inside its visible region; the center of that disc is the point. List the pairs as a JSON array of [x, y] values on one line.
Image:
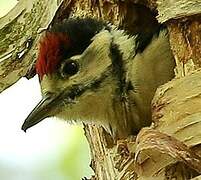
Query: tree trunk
[[170, 148]]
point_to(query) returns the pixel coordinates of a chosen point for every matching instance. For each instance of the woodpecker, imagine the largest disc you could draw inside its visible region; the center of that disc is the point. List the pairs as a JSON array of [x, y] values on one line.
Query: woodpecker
[[93, 72]]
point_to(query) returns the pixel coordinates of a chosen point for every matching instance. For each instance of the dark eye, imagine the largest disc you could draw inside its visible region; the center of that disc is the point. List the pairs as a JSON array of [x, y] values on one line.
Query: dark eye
[[69, 68]]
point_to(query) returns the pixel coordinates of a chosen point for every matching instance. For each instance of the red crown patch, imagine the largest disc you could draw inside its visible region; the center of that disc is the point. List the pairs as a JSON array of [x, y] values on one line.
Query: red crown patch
[[50, 52]]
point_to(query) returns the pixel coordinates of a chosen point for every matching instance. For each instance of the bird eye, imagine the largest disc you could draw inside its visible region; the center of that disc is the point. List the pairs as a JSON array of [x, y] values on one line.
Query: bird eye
[[69, 68]]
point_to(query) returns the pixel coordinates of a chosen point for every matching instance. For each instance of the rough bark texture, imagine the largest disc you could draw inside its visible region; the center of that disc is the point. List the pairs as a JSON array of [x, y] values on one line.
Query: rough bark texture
[[19, 35], [170, 148]]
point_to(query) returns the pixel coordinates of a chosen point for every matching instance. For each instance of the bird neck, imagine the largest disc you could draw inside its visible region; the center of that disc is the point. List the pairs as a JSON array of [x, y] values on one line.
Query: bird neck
[[126, 43]]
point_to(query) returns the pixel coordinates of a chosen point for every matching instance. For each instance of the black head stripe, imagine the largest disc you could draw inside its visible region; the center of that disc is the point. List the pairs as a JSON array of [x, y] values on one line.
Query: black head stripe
[[79, 89], [118, 66], [80, 32], [144, 39]]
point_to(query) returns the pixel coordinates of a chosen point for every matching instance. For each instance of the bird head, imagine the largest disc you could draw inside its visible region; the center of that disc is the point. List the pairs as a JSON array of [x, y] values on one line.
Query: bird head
[[76, 73]]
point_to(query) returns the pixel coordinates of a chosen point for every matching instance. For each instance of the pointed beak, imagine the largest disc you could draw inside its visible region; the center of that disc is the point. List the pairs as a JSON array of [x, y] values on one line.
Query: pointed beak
[[42, 110]]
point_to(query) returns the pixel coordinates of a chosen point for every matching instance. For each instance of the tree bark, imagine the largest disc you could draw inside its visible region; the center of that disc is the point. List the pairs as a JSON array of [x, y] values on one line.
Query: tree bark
[[170, 148], [19, 35]]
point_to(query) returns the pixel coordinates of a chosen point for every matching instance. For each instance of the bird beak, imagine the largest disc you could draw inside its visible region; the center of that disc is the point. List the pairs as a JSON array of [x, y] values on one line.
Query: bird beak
[[40, 112]]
